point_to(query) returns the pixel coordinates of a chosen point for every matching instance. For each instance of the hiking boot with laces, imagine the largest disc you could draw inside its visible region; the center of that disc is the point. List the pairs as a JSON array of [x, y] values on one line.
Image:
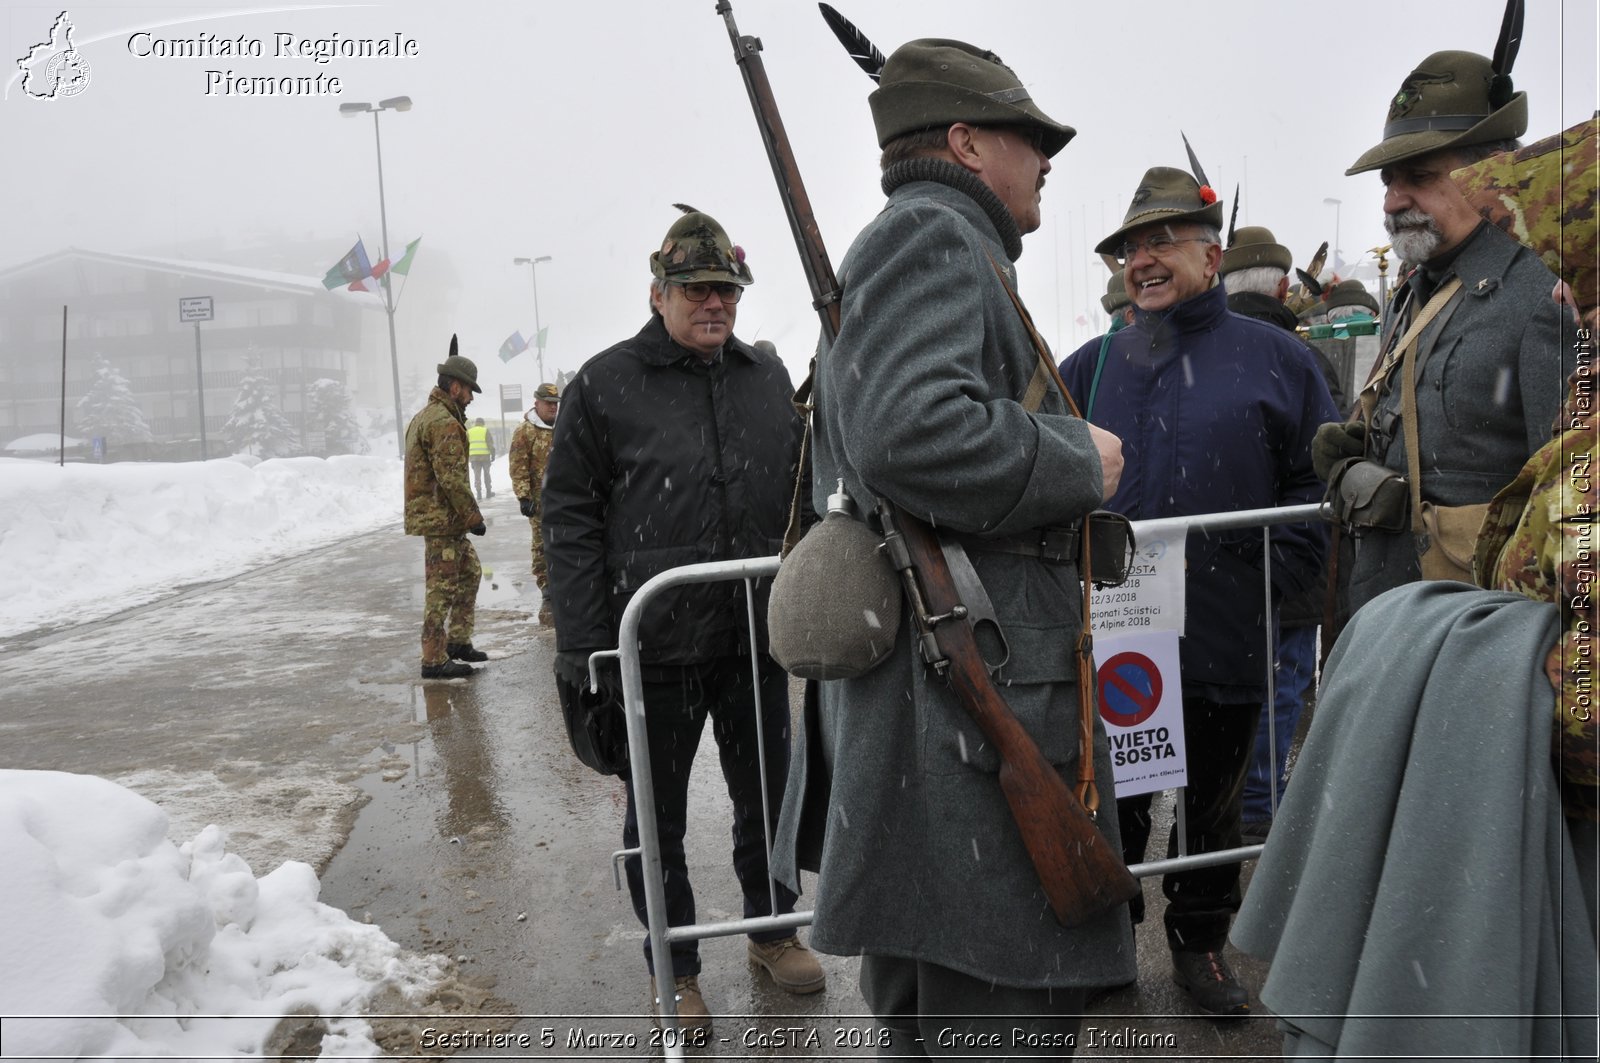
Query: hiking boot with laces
[[463, 651], [691, 1006], [791, 965], [1210, 983]]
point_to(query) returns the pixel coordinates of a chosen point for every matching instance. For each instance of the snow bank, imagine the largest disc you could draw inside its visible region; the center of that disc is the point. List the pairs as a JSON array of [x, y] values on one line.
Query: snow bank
[[84, 541], [136, 947]]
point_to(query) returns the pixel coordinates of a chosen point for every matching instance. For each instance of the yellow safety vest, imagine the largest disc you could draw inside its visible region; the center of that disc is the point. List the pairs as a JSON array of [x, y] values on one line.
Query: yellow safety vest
[[478, 441]]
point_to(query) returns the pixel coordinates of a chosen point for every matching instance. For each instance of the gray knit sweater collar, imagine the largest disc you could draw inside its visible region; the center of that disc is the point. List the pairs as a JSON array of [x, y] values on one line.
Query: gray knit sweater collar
[[965, 181]]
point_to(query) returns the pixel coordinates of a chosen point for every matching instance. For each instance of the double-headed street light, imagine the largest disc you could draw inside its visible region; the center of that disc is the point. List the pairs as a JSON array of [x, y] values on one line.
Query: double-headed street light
[[393, 103], [538, 333]]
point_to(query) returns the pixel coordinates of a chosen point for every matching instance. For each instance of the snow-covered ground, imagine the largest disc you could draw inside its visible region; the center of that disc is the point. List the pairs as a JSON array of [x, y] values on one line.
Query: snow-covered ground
[[80, 541], [133, 946], [140, 946]]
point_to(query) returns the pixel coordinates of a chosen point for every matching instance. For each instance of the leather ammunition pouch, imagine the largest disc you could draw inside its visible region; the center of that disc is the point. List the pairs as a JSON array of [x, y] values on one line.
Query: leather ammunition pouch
[[1447, 540], [1364, 494]]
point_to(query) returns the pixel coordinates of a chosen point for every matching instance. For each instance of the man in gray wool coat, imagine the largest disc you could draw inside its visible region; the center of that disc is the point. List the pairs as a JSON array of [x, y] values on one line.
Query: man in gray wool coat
[[1492, 362], [895, 799]]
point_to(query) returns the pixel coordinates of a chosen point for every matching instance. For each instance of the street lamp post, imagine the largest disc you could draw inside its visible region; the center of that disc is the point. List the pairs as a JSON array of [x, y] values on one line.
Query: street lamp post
[[1335, 204], [538, 332], [393, 103]]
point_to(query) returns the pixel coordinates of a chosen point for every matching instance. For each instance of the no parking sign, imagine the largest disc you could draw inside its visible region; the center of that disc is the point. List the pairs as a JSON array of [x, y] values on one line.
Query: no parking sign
[[1140, 702]]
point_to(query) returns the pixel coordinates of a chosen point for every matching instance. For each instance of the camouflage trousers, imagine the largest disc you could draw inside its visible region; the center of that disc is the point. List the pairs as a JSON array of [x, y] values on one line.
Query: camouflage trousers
[[540, 574], [451, 573]]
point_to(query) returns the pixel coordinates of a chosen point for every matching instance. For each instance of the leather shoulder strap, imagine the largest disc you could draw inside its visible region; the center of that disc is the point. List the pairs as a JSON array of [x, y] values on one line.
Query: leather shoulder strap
[[1408, 394]]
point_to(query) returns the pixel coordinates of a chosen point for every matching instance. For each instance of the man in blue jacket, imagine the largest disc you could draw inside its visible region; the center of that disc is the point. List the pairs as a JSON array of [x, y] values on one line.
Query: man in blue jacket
[[1216, 413]]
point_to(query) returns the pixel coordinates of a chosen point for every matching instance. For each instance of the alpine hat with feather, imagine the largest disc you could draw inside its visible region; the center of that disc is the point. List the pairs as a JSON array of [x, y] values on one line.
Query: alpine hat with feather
[[934, 82], [696, 248], [1167, 195], [1451, 100]]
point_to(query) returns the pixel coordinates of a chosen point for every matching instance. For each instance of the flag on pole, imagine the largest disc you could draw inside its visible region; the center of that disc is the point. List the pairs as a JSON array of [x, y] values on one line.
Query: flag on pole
[[350, 269], [403, 267], [543, 333], [513, 346]]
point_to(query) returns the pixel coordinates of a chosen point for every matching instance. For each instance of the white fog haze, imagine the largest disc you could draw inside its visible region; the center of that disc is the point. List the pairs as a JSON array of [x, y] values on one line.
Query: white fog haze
[[568, 130]]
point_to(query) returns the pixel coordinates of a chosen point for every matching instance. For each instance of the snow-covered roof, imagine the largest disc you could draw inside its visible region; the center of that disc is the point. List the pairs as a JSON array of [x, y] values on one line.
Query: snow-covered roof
[[289, 282]]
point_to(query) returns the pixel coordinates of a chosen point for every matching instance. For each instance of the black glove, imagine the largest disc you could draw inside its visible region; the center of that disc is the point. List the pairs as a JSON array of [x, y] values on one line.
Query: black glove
[[1334, 442], [527, 507], [479, 528], [572, 666]]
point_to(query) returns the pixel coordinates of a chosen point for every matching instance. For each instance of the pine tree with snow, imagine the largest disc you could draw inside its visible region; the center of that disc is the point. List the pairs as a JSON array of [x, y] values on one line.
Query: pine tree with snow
[[255, 425], [328, 411], [108, 408]]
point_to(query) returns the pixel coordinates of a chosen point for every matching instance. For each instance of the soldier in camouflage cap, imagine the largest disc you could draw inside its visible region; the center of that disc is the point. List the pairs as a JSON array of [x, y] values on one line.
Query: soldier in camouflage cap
[[530, 453], [441, 508]]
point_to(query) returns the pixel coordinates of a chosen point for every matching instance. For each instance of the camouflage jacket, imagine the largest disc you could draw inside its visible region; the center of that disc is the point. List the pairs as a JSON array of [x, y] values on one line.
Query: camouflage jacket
[[530, 453], [1538, 540], [438, 494]]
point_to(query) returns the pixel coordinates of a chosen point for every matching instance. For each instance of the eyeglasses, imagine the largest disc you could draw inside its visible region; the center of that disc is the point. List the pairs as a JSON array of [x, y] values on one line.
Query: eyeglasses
[[1158, 244], [699, 292]]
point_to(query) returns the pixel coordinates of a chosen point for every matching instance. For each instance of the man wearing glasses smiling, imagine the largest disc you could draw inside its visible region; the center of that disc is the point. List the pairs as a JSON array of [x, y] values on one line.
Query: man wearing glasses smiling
[[677, 446], [1216, 413]]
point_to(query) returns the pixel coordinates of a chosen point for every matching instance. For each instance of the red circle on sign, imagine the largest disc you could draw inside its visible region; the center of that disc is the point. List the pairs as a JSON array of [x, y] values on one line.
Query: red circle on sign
[[1130, 689]]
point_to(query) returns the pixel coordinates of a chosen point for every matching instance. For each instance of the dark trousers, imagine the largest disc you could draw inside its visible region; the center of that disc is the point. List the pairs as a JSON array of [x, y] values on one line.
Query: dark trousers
[[677, 702], [1200, 903], [929, 1010]]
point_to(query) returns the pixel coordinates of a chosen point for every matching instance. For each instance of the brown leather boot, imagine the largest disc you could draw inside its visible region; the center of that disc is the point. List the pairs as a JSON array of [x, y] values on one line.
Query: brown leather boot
[[791, 965], [691, 1006]]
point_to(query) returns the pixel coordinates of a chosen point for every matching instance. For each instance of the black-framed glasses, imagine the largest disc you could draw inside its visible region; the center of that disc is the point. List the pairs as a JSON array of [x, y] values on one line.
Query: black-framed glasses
[[700, 291], [1158, 244]]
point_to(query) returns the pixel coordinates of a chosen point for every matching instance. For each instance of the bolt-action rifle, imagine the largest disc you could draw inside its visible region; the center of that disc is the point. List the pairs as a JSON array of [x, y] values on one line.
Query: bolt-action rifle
[[1080, 873]]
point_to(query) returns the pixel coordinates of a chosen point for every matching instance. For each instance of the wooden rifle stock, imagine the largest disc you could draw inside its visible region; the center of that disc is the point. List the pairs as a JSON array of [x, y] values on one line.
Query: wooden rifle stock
[[1081, 874]]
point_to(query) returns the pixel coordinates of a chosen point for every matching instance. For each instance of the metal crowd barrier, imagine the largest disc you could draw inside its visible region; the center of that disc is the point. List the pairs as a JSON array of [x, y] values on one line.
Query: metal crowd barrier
[[649, 849]]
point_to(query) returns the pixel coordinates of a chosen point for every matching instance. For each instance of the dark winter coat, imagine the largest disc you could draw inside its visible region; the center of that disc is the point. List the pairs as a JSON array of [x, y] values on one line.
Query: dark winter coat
[[1493, 369], [661, 459], [1216, 413], [918, 401]]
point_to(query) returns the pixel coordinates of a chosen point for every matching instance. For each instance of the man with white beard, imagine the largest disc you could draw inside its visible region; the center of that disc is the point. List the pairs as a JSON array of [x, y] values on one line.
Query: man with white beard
[[1493, 350]]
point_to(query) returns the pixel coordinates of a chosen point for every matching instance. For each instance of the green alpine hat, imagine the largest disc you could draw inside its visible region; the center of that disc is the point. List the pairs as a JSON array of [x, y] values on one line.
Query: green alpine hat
[[696, 248], [459, 367], [547, 392], [934, 82], [1451, 100], [1348, 293], [1166, 195], [1116, 296], [1254, 245]]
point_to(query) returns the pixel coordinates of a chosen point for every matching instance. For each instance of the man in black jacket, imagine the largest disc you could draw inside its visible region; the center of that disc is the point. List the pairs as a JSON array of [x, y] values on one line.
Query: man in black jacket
[[679, 446]]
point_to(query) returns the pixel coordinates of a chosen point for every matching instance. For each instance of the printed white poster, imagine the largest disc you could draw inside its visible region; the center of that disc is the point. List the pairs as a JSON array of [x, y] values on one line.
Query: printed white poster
[[1152, 597]]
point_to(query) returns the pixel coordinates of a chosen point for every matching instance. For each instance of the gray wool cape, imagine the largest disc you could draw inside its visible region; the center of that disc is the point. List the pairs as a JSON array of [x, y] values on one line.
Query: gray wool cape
[[1422, 894], [893, 794], [1494, 366]]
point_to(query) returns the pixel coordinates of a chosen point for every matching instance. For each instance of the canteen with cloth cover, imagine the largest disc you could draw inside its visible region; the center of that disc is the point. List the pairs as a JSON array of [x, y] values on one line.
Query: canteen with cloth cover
[[835, 607]]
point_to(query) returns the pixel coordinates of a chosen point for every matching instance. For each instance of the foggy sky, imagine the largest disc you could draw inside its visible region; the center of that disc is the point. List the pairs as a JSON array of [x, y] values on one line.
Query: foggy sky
[[568, 129]]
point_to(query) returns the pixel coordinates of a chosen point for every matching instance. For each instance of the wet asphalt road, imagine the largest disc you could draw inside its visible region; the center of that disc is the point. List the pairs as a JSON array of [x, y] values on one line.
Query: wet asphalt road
[[285, 705]]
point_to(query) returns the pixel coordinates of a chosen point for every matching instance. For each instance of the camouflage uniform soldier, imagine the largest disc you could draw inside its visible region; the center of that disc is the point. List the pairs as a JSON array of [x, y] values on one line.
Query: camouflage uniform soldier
[[530, 452], [440, 508]]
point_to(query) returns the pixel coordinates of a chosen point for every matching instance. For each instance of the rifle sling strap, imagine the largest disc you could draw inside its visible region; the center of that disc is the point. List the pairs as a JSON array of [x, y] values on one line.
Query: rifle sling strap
[[1044, 375]]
